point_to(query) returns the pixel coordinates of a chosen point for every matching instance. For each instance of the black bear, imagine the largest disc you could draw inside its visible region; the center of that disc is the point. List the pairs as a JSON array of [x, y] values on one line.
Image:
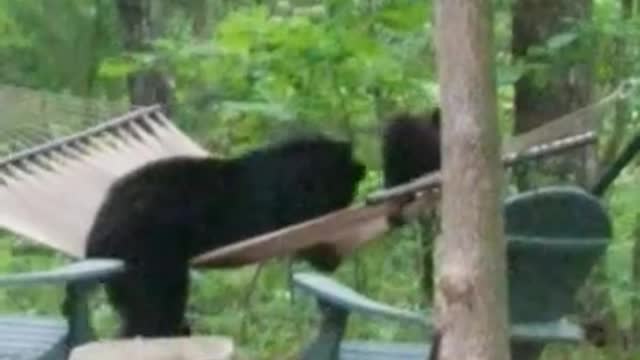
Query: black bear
[[161, 215], [410, 149]]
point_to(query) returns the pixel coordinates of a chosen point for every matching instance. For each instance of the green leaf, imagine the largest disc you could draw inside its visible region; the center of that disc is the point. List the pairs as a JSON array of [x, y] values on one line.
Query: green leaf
[[117, 67], [561, 40], [404, 17], [508, 75], [270, 110]]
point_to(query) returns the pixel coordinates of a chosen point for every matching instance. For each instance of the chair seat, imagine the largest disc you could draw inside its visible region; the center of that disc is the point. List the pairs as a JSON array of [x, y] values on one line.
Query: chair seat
[[32, 338], [368, 350]]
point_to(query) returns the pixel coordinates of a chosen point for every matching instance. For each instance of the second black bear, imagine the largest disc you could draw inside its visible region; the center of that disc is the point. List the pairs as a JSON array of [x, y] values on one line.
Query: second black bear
[[410, 149], [161, 215]]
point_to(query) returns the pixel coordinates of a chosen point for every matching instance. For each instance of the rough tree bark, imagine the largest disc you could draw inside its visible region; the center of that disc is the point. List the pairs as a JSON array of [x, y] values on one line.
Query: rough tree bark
[[470, 257], [140, 27], [569, 82]]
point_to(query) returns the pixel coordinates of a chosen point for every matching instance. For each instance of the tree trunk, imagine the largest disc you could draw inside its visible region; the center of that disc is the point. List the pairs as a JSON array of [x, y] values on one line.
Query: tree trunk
[[200, 11], [635, 326], [568, 85], [623, 66], [470, 257], [141, 24]]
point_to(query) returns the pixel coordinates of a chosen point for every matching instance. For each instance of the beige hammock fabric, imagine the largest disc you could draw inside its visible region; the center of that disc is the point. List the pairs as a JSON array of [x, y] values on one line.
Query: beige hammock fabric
[[50, 194]]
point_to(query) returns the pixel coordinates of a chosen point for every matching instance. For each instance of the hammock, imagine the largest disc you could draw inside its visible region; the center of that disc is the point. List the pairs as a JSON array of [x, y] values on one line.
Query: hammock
[[50, 194]]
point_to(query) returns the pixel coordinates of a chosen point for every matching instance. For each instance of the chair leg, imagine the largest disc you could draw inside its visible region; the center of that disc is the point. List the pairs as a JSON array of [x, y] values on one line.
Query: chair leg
[[326, 346], [526, 351], [76, 310]]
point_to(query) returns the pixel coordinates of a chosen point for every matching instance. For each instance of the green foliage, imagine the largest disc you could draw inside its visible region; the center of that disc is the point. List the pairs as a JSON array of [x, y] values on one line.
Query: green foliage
[[16, 257], [253, 72], [335, 71], [64, 52], [624, 203]]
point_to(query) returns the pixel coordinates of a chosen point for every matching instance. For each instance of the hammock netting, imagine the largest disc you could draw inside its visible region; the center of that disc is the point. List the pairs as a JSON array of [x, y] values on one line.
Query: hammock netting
[[31, 117], [50, 193]]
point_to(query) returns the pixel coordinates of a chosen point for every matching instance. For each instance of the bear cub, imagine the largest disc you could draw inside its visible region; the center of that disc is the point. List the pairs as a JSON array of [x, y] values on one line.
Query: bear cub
[[159, 216], [410, 149]]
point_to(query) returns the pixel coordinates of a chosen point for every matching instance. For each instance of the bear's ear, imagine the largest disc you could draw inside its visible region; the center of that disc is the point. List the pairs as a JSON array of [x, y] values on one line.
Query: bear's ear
[[435, 117]]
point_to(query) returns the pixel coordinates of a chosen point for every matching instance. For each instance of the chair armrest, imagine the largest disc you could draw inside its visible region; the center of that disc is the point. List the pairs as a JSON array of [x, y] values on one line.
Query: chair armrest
[[334, 294], [91, 270], [555, 331], [337, 295]]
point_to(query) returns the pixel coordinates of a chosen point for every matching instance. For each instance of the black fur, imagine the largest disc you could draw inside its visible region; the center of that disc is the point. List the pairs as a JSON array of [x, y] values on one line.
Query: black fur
[[434, 354], [163, 214], [410, 148]]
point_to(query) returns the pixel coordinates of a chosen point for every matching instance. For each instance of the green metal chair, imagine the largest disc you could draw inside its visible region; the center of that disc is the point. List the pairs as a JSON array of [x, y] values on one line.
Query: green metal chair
[[50, 193], [25, 337], [555, 235]]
